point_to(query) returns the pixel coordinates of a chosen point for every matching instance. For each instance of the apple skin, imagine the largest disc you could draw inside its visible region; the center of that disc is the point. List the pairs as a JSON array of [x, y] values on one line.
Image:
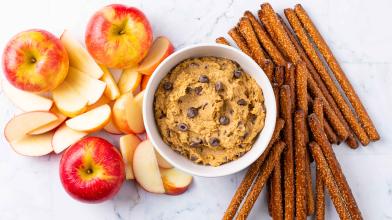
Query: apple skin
[[118, 36], [92, 170], [35, 61]]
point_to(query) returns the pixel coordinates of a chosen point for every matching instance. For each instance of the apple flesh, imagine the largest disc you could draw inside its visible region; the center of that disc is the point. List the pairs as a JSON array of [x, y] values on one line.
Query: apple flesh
[[118, 36], [111, 91], [144, 83], [68, 100], [128, 144], [79, 57], [119, 116], [91, 121], [146, 169], [65, 137], [162, 163], [134, 114], [92, 170], [51, 125], [161, 48], [34, 145], [129, 81], [175, 181], [35, 61]]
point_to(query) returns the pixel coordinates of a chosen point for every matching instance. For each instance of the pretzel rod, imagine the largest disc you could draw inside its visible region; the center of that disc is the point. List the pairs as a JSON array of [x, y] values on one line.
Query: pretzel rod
[[247, 32], [333, 139], [270, 32], [320, 197], [350, 139], [276, 193], [288, 159], [317, 62], [290, 80], [265, 172], [279, 75], [239, 40], [309, 181], [333, 163], [338, 72], [300, 165], [301, 92], [222, 40], [251, 174], [265, 40], [276, 88], [318, 110], [269, 194], [329, 181], [269, 69], [271, 21]]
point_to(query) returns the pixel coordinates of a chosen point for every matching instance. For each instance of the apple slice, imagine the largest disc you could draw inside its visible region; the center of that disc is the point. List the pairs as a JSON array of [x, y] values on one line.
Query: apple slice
[[175, 181], [34, 145], [65, 137], [52, 125], [134, 114], [111, 91], [68, 100], [90, 88], [92, 120], [119, 116], [26, 101], [162, 163], [79, 57], [111, 128], [128, 144], [129, 81], [145, 168], [144, 83], [160, 49], [102, 101]]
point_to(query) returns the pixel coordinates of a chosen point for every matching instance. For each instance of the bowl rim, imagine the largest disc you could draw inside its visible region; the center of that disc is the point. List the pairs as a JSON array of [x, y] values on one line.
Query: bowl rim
[[269, 121]]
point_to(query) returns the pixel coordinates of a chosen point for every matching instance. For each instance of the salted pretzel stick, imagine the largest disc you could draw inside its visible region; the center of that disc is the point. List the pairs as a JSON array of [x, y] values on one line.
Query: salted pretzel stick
[[300, 165], [276, 193], [265, 40], [251, 174], [276, 89], [269, 194], [344, 188], [320, 197], [329, 181], [288, 157], [247, 32], [350, 139], [265, 172], [309, 186], [318, 64], [338, 72], [333, 139], [222, 40], [279, 75], [239, 40], [269, 69], [318, 110], [290, 80]]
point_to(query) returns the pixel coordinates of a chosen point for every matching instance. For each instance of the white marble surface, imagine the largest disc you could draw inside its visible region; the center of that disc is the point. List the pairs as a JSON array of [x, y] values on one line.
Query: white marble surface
[[359, 33]]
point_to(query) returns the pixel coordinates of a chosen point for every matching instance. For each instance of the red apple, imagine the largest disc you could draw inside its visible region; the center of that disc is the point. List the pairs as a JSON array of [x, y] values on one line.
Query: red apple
[[118, 36], [35, 61], [92, 170]]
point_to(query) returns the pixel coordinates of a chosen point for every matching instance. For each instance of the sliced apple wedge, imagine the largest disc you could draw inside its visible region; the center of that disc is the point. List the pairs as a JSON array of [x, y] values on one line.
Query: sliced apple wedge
[[111, 91], [34, 145], [68, 100], [51, 125], [26, 101], [160, 49], [162, 163], [129, 81], [144, 83], [102, 101], [65, 137], [92, 120], [20, 125], [175, 181], [145, 168], [111, 128], [134, 114], [79, 57], [128, 144], [90, 88], [119, 115]]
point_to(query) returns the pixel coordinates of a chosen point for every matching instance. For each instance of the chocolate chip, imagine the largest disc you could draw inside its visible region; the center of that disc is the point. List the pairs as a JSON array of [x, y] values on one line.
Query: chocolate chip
[[219, 86], [203, 79], [188, 90], [198, 90], [241, 102], [168, 86], [182, 127], [214, 142], [193, 158], [223, 120], [196, 142], [237, 74], [192, 112], [252, 118]]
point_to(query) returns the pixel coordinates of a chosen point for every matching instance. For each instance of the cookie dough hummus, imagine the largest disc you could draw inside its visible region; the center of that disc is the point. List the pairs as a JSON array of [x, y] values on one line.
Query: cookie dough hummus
[[209, 110]]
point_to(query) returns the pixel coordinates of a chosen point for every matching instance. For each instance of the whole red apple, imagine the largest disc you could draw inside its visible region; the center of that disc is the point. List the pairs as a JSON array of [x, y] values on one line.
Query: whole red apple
[[35, 61], [92, 170], [118, 36]]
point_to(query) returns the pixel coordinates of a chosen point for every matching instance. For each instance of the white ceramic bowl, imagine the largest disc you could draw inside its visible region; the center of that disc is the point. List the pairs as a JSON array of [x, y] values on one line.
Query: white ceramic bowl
[[249, 66]]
